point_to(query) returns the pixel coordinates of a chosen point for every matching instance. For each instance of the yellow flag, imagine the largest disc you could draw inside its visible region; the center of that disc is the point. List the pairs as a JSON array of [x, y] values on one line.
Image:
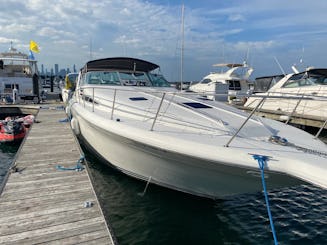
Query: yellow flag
[[34, 47]]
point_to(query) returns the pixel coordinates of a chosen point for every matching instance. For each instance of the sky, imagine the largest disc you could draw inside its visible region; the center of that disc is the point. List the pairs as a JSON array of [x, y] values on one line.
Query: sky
[[270, 35]]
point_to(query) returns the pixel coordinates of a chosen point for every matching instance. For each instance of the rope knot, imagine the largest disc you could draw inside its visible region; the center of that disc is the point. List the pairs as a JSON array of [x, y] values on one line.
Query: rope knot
[[262, 160]]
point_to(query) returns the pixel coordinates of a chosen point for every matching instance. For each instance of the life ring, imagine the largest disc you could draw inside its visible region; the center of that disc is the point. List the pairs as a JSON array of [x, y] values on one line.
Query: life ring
[[75, 126]]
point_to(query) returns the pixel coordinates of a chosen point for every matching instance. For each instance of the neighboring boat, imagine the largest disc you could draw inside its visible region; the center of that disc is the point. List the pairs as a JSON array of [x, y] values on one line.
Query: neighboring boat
[[137, 123], [19, 77], [236, 77], [14, 129], [263, 84], [68, 87], [304, 93]]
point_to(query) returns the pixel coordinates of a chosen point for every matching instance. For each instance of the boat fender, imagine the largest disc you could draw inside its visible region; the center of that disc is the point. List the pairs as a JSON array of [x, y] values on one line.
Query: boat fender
[[75, 126]]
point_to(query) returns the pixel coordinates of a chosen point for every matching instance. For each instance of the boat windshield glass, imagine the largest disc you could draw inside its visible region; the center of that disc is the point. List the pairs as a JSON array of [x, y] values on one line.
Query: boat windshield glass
[[134, 79], [125, 78], [309, 78], [318, 76], [158, 80], [102, 78], [300, 80]]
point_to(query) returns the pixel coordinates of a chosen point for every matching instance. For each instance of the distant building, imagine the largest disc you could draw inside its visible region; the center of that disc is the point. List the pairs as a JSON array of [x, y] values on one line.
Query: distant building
[[56, 66], [62, 73]]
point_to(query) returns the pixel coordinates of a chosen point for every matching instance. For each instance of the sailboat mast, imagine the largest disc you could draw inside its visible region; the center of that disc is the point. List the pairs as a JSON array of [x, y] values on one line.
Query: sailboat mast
[[182, 47]]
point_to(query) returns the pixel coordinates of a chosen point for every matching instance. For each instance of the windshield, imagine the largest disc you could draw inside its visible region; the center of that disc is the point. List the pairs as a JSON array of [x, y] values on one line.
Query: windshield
[[306, 79], [158, 80], [125, 78]]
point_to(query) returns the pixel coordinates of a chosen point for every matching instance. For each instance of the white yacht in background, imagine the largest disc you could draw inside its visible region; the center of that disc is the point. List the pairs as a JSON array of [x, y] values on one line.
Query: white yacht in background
[[134, 120], [235, 76], [304, 93], [19, 76]]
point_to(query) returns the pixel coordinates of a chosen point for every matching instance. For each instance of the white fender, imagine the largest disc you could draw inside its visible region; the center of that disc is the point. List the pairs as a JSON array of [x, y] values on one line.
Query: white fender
[[67, 110], [75, 126]]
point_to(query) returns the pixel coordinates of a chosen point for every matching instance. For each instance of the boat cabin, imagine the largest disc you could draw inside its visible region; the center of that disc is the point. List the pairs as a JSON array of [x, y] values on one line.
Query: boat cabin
[[19, 73]]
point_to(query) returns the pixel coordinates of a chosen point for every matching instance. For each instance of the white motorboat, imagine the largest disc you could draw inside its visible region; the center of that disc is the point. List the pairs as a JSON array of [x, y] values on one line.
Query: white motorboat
[[68, 86], [19, 77], [134, 120], [304, 93], [234, 76]]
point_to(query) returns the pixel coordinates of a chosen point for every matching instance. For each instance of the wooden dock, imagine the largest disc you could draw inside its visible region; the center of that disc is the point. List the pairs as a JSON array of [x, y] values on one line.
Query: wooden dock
[[43, 205]]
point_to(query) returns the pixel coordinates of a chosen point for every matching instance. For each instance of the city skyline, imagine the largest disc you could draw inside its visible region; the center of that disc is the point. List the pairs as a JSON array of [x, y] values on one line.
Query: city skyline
[[55, 70]]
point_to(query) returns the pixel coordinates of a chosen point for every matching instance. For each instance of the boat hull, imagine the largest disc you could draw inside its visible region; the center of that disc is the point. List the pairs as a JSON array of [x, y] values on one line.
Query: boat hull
[[201, 177]]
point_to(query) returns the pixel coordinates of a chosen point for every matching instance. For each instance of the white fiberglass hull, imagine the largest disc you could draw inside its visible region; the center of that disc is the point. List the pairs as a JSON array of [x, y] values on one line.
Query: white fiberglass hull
[[175, 170]]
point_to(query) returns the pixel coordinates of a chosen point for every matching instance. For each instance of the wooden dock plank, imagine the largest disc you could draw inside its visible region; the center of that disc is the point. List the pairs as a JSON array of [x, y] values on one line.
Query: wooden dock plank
[[41, 204]]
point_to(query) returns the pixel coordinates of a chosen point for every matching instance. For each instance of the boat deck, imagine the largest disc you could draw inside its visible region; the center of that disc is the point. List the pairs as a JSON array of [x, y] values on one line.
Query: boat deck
[[43, 205]]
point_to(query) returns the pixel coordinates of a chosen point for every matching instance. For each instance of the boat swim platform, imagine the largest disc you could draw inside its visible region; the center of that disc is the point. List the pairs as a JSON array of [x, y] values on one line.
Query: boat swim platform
[[41, 204]]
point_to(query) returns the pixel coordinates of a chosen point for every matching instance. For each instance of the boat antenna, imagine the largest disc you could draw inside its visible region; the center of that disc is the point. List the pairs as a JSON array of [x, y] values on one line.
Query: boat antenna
[[182, 46], [90, 48], [280, 67]]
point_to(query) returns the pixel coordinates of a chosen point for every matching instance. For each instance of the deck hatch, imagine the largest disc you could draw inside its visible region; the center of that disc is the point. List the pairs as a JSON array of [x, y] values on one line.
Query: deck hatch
[[196, 105], [137, 98]]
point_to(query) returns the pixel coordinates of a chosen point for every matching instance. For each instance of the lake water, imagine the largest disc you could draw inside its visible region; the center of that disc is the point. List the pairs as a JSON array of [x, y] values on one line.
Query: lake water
[[163, 216]]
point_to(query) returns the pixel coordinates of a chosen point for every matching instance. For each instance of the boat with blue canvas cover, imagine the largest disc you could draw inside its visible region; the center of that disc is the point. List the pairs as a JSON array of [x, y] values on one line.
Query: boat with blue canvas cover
[[129, 115]]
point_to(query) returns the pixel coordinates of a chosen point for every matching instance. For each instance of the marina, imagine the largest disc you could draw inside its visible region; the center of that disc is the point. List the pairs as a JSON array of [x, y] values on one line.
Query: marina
[[45, 200], [132, 122]]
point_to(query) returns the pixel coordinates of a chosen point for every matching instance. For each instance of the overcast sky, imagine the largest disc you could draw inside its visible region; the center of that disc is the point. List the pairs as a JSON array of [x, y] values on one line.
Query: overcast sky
[[74, 31]]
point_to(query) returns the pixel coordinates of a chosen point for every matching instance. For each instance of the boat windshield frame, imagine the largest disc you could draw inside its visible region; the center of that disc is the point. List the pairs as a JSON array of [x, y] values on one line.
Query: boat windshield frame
[[309, 78], [123, 78]]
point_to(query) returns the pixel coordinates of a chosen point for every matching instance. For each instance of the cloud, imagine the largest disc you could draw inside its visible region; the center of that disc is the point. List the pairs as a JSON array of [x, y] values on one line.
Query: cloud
[[7, 40], [71, 30], [236, 17]]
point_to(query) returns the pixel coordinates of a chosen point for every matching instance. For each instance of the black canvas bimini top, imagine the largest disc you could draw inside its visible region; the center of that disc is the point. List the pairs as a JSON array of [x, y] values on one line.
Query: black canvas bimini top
[[120, 64]]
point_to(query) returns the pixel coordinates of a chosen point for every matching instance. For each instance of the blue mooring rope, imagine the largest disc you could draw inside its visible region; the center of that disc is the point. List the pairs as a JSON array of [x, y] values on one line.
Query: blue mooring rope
[[262, 160], [78, 167], [64, 120]]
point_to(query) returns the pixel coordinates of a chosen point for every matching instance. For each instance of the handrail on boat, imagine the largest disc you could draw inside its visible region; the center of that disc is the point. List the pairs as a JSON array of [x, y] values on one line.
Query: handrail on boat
[[155, 119], [113, 105], [320, 130], [300, 97], [246, 120], [257, 108], [294, 110]]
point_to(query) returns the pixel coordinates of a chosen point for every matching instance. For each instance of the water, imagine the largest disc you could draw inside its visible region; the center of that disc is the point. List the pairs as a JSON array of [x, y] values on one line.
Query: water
[[7, 154], [163, 216]]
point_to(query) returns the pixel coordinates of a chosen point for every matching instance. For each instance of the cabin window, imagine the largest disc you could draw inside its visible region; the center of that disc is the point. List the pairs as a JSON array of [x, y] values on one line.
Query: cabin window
[[206, 81], [9, 88], [196, 105], [234, 85], [137, 98]]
